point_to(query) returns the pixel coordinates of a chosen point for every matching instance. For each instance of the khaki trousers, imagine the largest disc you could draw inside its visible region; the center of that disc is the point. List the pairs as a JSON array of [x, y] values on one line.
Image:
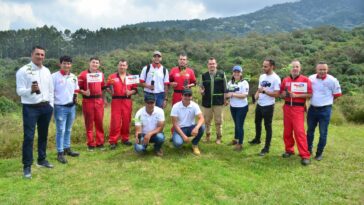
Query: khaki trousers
[[215, 112]]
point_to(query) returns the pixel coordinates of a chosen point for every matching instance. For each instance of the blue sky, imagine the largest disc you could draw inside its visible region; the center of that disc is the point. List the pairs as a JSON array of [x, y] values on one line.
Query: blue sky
[[94, 14]]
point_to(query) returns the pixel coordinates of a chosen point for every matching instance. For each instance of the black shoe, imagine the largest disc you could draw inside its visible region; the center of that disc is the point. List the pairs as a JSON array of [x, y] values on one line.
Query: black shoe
[[287, 154], [318, 157], [71, 153], [112, 146], [90, 148], [254, 141], [127, 143], [100, 147], [44, 163], [305, 162], [27, 172], [263, 152], [60, 158]]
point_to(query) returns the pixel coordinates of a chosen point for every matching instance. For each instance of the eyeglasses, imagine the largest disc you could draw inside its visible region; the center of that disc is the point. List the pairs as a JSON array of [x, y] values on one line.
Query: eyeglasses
[[187, 95]]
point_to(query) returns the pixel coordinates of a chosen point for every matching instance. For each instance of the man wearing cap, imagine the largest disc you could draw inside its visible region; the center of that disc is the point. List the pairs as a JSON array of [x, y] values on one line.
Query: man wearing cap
[[183, 116], [181, 77], [65, 88], [154, 78], [149, 124], [91, 83], [121, 105], [213, 90], [295, 89], [268, 90], [35, 87], [326, 89]]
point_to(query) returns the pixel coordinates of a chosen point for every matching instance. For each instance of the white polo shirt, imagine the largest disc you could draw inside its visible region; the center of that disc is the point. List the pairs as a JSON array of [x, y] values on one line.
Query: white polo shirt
[[324, 90], [241, 87], [157, 75], [185, 115], [149, 122], [24, 78], [64, 87], [272, 83]]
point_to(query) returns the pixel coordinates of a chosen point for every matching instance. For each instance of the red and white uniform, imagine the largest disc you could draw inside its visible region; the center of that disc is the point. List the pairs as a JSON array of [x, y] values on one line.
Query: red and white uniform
[[294, 115], [180, 77], [325, 89], [93, 106], [121, 108]]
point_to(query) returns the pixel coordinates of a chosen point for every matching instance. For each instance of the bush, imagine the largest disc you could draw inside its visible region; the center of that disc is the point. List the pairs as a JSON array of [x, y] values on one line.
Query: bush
[[352, 108], [7, 106]]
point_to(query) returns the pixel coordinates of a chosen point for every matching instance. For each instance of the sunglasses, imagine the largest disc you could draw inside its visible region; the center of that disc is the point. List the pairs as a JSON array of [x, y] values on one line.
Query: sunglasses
[[187, 95], [157, 56], [150, 102]]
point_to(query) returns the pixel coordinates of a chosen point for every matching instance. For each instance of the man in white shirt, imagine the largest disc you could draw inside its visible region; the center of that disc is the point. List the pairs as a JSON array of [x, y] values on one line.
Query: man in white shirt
[[149, 124], [183, 116], [35, 87], [155, 80], [325, 88], [268, 90], [65, 88]]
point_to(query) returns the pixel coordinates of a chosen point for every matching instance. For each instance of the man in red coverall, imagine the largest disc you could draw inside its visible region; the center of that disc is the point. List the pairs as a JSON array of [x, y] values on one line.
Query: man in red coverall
[[180, 78], [295, 89], [121, 89], [91, 83]]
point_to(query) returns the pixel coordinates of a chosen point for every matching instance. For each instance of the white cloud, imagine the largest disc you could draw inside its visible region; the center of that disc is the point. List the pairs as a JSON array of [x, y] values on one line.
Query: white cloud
[[15, 13]]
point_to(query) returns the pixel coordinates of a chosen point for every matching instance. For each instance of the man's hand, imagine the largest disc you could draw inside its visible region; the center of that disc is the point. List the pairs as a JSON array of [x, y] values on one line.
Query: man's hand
[[173, 84], [186, 139], [146, 139], [35, 88], [194, 131], [129, 93], [164, 104], [87, 92], [136, 139]]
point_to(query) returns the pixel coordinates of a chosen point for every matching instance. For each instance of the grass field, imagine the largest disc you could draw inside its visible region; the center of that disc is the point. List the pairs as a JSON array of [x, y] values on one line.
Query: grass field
[[219, 176]]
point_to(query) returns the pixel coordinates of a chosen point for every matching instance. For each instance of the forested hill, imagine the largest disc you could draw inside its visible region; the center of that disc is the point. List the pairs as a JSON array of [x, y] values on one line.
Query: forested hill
[[344, 14], [279, 18]]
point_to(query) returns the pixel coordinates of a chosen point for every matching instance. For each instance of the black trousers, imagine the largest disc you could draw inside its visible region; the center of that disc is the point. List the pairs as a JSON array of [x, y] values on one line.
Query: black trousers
[[266, 113]]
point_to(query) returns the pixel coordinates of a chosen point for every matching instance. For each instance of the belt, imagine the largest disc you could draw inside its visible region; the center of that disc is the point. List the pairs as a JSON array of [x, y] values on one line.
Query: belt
[[91, 96], [320, 107], [178, 91], [67, 105], [120, 97], [41, 104], [294, 103]]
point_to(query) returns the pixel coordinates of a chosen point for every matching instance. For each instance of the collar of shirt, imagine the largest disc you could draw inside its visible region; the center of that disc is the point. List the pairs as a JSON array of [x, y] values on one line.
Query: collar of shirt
[[295, 77], [35, 67], [322, 78], [63, 72], [156, 65]]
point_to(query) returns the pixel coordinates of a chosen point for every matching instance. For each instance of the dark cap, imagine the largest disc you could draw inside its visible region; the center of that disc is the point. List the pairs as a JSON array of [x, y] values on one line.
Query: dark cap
[[149, 98], [187, 91]]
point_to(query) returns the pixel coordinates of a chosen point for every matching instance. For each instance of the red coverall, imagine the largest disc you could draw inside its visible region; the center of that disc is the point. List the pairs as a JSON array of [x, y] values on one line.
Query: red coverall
[[294, 115], [178, 76], [93, 108], [121, 108]]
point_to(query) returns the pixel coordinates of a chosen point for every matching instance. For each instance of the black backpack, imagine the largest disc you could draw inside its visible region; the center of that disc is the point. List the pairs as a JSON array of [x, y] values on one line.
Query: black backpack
[[148, 68]]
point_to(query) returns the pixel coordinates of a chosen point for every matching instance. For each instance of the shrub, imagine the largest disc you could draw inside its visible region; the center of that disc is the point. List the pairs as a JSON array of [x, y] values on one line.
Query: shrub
[[352, 108], [7, 106]]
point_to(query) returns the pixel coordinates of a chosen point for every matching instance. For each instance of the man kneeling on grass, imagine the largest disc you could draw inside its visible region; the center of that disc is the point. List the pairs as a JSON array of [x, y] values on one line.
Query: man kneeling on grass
[[149, 124], [183, 116]]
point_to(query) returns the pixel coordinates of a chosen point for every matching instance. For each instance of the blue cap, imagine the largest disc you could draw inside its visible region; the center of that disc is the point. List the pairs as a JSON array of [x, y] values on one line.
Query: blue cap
[[237, 68], [149, 98]]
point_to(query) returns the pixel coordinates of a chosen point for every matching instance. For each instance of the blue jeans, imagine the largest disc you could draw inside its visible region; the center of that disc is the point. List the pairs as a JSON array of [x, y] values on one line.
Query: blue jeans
[[321, 116], [40, 117], [157, 139], [178, 140], [159, 98], [238, 114], [64, 117]]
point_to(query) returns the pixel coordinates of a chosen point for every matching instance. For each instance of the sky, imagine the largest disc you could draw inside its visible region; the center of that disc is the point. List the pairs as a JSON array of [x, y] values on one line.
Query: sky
[[94, 14]]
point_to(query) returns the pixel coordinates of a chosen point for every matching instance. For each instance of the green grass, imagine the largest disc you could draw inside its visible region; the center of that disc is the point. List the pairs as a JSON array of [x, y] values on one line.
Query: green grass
[[218, 176]]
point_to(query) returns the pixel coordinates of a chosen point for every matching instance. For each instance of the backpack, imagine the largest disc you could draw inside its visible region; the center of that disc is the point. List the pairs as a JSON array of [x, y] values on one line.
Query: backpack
[[148, 68]]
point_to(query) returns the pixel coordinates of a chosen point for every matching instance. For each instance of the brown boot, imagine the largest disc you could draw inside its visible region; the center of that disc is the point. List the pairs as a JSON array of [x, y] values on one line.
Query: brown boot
[[207, 138], [238, 147]]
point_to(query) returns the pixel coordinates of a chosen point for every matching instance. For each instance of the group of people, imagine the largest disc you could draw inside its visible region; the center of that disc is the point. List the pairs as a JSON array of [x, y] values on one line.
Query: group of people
[[43, 93]]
